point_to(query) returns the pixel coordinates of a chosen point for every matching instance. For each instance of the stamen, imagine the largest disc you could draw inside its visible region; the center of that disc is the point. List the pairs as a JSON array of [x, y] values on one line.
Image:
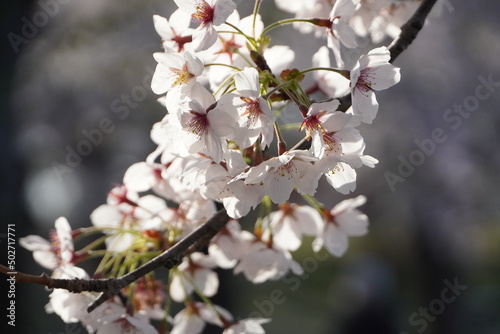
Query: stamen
[[204, 13]]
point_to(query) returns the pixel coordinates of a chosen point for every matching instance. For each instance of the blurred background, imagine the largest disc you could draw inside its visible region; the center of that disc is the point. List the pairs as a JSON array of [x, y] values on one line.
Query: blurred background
[[431, 262]]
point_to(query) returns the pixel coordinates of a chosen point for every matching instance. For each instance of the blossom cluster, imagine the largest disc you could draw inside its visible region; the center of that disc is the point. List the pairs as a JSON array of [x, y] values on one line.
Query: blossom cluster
[[222, 143]]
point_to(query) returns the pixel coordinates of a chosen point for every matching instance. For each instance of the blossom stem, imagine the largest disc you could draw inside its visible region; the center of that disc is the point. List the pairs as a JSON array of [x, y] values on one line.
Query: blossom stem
[[313, 202], [290, 126], [281, 141], [225, 65], [248, 38], [200, 294], [300, 143], [283, 22], [256, 9], [275, 89], [345, 73], [93, 245], [94, 229], [226, 84]]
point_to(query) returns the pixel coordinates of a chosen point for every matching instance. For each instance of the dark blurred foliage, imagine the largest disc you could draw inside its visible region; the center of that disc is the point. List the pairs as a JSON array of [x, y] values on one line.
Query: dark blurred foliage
[[438, 227]]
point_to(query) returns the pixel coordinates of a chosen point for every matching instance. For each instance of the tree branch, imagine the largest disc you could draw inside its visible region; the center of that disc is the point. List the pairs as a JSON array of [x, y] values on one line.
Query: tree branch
[[200, 237], [170, 258], [194, 241], [410, 29]]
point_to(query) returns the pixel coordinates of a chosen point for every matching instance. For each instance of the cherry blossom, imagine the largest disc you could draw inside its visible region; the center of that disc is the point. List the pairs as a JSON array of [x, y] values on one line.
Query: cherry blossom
[[225, 247], [343, 221], [256, 120], [224, 182], [117, 323], [279, 175], [316, 129], [291, 222], [371, 72], [175, 74], [209, 13], [54, 253], [332, 84], [196, 315], [339, 32], [207, 124], [247, 326], [262, 261], [174, 32], [194, 271]]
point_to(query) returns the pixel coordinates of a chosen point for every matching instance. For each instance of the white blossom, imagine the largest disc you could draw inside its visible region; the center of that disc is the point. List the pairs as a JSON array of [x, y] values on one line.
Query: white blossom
[[372, 72], [342, 222]]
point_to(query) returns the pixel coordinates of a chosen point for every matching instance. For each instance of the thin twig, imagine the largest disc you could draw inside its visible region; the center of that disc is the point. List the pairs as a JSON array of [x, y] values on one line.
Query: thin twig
[[171, 257], [410, 29], [108, 287]]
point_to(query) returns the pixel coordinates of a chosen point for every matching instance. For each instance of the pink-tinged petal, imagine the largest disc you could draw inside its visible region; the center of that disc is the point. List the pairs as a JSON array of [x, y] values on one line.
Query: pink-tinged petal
[[353, 223], [179, 287], [173, 60], [246, 197], [222, 122], [335, 122], [106, 215], [353, 160], [309, 219], [194, 64], [343, 9], [208, 314], [351, 140], [204, 37], [185, 322], [162, 27], [211, 144], [140, 177], [348, 204], [35, 243], [369, 161], [207, 281], [376, 57], [247, 82], [279, 187], [385, 76], [179, 21], [46, 259], [223, 8], [202, 96], [247, 326], [329, 106], [307, 182], [343, 179], [63, 230], [334, 44], [141, 326], [345, 34], [336, 242], [161, 82], [188, 6], [257, 173], [364, 103], [317, 144], [330, 83], [286, 233]]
